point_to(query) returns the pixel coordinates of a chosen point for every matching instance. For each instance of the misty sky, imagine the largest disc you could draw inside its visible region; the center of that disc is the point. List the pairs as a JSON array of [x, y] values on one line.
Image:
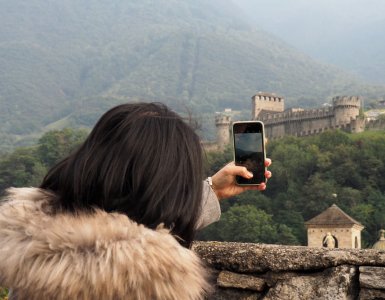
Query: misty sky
[[348, 33], [323, 15]]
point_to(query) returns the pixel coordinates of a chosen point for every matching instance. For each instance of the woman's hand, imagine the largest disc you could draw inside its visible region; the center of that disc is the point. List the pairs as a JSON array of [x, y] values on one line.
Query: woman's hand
[[224, 184]]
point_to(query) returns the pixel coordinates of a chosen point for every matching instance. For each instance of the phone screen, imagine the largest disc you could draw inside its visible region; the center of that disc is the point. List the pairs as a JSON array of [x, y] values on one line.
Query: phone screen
[[249, 151]]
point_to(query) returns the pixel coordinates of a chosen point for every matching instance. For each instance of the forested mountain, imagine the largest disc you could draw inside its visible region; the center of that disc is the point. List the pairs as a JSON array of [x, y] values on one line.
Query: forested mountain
[[62, 63]]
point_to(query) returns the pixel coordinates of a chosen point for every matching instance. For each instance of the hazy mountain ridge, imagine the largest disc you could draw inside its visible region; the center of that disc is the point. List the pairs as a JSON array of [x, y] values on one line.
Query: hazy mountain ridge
[[72, 60], [348, 33]]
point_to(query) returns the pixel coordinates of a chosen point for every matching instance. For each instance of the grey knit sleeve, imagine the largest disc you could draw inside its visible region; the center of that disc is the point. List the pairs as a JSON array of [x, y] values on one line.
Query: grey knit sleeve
[[211, 210]]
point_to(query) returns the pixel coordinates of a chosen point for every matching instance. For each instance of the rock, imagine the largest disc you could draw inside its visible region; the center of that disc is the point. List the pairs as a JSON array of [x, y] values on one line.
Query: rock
[[252, 258], [370, 294], [234, 294], [332, 284], [233, 280], [372, 277]]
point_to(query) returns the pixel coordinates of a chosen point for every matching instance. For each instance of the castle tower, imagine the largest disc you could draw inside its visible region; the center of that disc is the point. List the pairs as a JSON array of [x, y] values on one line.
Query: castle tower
[[335, 223], [266, 103], [346, 109], [222, 123]]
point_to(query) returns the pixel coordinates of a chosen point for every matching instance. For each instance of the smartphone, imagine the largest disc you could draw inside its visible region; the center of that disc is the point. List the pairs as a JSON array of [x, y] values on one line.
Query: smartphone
[[249, 150]]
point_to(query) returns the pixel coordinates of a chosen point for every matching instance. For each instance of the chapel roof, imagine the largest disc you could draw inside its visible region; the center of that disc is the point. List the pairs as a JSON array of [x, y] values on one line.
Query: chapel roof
[[333, 216]]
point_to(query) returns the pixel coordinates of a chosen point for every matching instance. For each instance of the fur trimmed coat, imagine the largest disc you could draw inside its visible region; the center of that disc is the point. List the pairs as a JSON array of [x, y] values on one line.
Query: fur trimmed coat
[[102, 255]]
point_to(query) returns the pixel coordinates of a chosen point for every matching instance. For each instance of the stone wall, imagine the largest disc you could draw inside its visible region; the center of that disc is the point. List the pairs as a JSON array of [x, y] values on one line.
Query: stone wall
[[303, 122], [257, 271]]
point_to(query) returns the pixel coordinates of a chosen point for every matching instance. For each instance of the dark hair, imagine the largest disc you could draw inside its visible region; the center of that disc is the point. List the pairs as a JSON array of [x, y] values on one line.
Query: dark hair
[[140, 159]]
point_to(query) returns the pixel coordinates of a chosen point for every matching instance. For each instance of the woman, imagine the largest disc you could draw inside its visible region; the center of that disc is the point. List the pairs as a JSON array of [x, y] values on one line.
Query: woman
[[109, 220]]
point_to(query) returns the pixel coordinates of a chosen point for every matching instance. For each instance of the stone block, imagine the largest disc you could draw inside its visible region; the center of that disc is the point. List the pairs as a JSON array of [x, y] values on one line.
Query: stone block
[[233, 280], [372, 277], [370, 294], [332, 284], [233, 294]]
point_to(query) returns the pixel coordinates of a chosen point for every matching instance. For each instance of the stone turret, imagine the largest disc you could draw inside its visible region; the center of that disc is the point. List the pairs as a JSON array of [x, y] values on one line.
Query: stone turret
[[266, 103], [222, 123], [346, 109]]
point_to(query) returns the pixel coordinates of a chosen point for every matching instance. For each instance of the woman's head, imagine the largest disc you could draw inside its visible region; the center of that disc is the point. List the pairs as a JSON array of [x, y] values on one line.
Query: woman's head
[[140, 159]]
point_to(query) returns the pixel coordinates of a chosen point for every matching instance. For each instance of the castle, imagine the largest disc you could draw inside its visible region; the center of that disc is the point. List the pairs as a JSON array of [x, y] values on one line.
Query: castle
[[343, 113]]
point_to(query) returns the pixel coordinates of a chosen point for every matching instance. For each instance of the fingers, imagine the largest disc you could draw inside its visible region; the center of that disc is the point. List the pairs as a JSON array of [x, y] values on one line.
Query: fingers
[[260, 187], [234, 170], [268, 174], [267, 162]]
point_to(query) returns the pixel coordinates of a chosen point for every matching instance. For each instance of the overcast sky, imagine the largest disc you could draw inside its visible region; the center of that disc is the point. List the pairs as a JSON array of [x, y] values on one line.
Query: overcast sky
[[349, 33]]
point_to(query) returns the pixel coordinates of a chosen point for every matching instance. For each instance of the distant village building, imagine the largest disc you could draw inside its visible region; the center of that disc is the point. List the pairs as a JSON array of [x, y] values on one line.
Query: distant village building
[[333, 223]]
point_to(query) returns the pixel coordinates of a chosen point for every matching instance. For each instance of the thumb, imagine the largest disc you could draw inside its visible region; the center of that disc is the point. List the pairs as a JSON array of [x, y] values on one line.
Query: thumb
[[239, 170]]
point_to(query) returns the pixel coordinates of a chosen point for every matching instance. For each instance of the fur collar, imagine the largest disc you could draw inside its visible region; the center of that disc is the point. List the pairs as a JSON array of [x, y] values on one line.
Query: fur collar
[[95, 256]]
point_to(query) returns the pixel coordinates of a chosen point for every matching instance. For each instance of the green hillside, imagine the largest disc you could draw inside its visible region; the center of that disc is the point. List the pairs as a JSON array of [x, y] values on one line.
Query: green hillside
[[309, 175], [71, 60]]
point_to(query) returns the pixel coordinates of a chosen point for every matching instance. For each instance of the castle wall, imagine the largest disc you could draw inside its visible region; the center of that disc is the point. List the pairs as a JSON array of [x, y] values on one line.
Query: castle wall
[[342, 115], [297, 123], [269, 108], [375, 124], [258, 271]]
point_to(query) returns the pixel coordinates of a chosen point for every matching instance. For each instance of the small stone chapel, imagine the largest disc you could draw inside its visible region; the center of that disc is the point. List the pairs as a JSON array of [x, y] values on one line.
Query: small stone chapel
[[333, 228]]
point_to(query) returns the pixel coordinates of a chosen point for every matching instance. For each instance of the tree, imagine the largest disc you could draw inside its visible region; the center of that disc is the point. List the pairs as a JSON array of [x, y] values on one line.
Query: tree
[[245, 223], [56, 144], [21, 168]]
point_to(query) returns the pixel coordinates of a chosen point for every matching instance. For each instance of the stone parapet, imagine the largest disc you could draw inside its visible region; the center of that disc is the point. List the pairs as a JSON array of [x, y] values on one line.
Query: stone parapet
[[354, 101], [258, 271], [375, 124], [291, 116]]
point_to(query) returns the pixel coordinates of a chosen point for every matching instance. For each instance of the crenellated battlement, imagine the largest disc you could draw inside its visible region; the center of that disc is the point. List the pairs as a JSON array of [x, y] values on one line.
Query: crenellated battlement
[[354, 101], [222, 120], [268, 97], [296, 114]]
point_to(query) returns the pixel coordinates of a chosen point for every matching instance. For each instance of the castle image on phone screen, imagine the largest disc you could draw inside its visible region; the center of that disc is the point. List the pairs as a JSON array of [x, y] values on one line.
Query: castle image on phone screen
[[249, 153]]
